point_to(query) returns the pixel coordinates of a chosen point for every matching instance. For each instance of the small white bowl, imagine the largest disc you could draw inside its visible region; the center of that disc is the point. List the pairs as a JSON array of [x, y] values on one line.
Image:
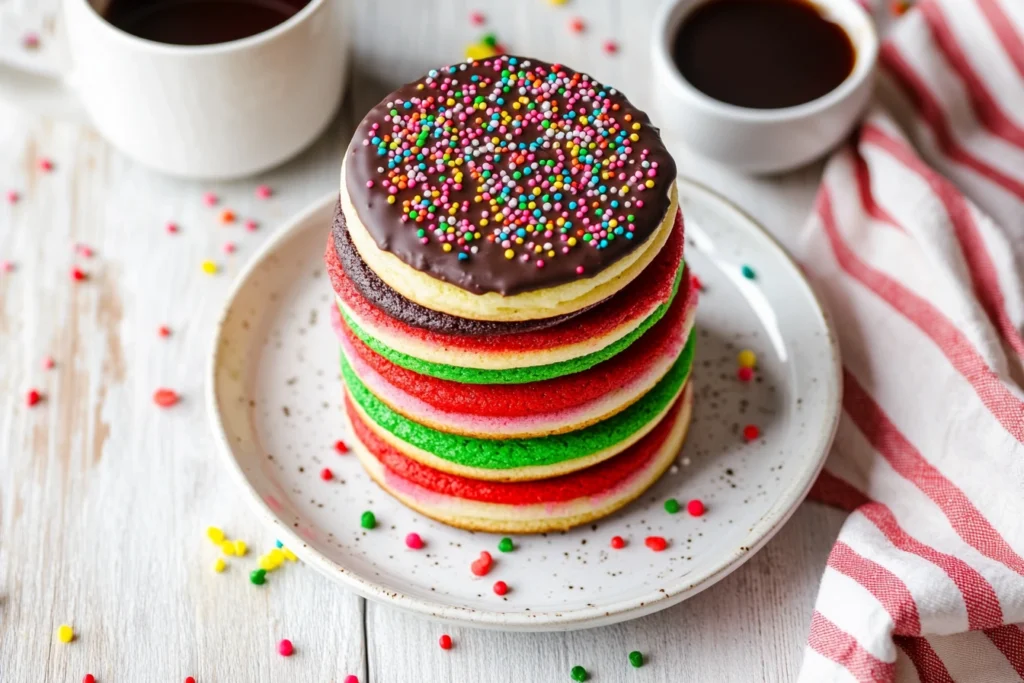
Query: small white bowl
[[762, 140]]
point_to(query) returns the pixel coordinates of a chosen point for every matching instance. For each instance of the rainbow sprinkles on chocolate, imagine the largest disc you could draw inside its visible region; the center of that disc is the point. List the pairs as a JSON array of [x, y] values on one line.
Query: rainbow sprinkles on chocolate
[[508, 175]]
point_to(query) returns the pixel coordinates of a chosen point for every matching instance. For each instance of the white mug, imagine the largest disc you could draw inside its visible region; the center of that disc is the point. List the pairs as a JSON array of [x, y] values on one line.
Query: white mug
[[223, 110], [762, 140]]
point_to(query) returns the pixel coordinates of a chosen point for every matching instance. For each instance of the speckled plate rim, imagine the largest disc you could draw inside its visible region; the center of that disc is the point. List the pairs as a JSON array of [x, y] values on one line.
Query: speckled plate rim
[[592, 616]]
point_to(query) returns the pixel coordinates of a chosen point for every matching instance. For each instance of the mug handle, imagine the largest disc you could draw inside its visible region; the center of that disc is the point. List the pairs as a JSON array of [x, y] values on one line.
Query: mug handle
[[39, 82]]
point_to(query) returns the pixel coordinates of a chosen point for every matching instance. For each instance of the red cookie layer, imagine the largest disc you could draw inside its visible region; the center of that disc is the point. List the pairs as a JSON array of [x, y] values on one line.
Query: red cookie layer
[[654, 284], [548, 396], [589, 482]]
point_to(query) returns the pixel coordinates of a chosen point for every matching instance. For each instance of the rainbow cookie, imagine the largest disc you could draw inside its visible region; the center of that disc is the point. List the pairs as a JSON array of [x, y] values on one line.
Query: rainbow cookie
[[511, 297]]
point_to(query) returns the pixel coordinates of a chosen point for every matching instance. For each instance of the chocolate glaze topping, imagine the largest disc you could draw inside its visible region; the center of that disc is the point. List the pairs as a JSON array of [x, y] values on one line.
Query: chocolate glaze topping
[[409, 312], [508, 175]]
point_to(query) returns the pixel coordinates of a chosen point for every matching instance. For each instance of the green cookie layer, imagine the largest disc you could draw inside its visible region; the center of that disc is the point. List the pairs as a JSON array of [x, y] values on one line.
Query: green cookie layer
[[537, 373], [503, 454]]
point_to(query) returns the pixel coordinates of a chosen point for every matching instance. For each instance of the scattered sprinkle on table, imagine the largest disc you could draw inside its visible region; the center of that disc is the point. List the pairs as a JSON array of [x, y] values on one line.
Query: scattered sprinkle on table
[[229, 247], [479, 51], [500, 588], [78, 275], [210, 199], [414, 540], [326, 474], [477, 18], [368, 520], [209, 267], [215, 534], [263, 191], [445, 642], [636, 658], [84, 250], [172, 228], [506, 545], [285, 648], [13, 196], [578, 673], [577, 25], [746, 358], [6, 266], [45, 165], [165, 398], [751, 432], [341, 447], [744, 374], [33, 397], [558, 2], [258, 576], [899, 7], [695, 507], [351, 678], [227, 547], [240, 548], [481, 565], [219, 564], [671, 506], [251, 225], [610, 47], [88, 678], [30, 40], [164, 331], [227, 216], [189, 679], [48, 363], [289, 555], [656, 543], [65, 633], [748, 272], [618, 543]]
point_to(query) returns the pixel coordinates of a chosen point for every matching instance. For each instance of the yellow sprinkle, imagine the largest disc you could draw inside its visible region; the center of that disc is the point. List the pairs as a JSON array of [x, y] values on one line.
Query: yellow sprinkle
[[65, 633], [266, 564], [240, 548], [227, 547], [634, 137], [446, 247], [289, 555], [276, 556], [649, 184], [572, 241], [391, 199], [478, 51], [214, 534], [219, 564], [483, 222], [509, 254], [625, 189], [558, 2], [209, 267], [747, 358]]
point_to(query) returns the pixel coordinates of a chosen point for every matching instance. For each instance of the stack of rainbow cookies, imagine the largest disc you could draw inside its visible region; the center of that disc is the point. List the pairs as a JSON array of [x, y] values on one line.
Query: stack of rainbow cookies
[[514, 310]]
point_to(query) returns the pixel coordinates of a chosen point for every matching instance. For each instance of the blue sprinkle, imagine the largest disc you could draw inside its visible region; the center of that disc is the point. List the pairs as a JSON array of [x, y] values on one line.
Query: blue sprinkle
[[279, 544], [463, 256], [748, 272]]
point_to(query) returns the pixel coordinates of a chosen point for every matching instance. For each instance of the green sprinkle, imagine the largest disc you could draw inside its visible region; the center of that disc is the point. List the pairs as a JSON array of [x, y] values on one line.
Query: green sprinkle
[[748, 272], [368, 520], [578, 673], [258, 576], [490, 40], [505, 545], [636, 659], [671, 506]]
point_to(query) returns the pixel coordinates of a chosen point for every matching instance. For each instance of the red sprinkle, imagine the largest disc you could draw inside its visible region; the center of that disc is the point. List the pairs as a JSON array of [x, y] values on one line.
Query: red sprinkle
[[326, 474], [341, 447], [164, 331], [227, 216], [190, 680], [445, 642], [172, 228], [482, 565], [48, 363], [264, 191], [618, 543], [656, 543], [697, 283], [165, 398], [45, 165], [285, 648], [251, 225], [33, 397], [695, 507], [13, 196], [751, 432], [210, 199], [611, 47], [88, 678], [745, 374], [351, 678], [500, 587], [77, 274], [577, 25], [413, 540], [477, 18]]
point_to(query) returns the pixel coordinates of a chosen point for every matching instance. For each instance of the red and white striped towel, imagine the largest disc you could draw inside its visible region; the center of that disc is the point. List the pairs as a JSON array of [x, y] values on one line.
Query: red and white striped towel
[[916, 246]]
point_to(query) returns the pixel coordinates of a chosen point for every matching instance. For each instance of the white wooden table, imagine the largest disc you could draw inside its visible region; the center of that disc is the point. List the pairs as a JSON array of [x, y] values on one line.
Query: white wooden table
[[104, 498]]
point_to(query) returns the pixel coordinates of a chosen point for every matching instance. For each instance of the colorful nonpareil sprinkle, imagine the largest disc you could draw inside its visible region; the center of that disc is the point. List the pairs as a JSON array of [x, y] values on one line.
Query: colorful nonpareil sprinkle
[[227, 216], [78, 275], [258, 576], [13, 196], [6, 266], [500, 588], [618, 543], [656, 543], [289, 555], [351, 678], [48, 363], [32, 397], [164, 331], [505, 545], [636, 658], [172, 228], [326, 474], [165, 398], [477, 51], [748, 272], [45, 165], [671, 506], [610, 46], [285, 648], [227, 547], [88, 678], [209, 267], [189, 679], [341, 447], [481, 565], [251, 225], [30, 40], [65, 633], [751, 432], [578, 673], [445, 642], [695, 507], [477, 18], [219, 565], [558, 2], [746, 359], [414, 540], [368, 520], [229, 247], [210, 199], [899, 7], [241, 548], [744, 374], [577, 25], [215, 534], [84, 250], [263, 192]]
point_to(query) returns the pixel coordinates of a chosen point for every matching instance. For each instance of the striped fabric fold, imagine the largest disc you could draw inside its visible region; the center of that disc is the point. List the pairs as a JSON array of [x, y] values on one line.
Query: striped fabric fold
[[916, 245]]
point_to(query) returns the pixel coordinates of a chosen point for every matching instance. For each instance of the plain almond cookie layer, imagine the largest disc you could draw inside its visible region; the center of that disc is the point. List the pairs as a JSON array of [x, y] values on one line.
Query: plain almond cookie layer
[[507, 189], [555, 504]]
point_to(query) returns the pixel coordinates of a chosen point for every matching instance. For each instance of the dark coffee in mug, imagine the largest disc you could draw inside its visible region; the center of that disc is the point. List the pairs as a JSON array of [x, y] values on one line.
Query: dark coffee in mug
[[199, 22]]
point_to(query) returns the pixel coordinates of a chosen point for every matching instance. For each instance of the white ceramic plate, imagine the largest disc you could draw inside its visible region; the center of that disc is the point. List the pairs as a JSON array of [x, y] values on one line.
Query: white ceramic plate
[[275, 404]]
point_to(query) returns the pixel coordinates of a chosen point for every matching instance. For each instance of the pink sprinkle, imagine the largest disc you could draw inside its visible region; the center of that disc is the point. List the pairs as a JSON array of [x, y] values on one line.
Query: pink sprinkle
[[477, 18], [172, 228], [285, 648], [351, 679], [84, 250], [611, 47], [326, 474], [229, 247], [577, 25], [48, 363], [13, 196], [45, 165], [30, 40], [6, 267], [414, 541], [579, 270], [264, 191], [251, 225], [210, 199]]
